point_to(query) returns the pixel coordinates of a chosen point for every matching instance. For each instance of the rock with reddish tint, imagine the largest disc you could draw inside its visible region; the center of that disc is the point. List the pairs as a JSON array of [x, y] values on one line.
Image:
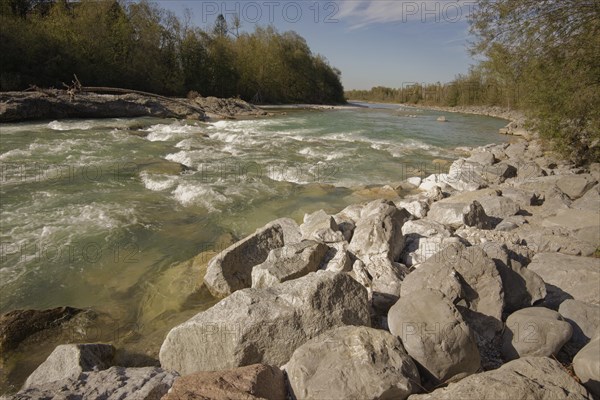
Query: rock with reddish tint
[[253, 382]]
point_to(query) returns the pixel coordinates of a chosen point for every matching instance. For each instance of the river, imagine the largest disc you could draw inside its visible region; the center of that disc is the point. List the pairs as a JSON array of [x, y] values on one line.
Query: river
[[95, 214]]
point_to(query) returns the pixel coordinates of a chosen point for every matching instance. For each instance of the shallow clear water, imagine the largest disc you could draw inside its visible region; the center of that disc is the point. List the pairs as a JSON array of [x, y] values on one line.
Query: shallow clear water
[[93, 216]]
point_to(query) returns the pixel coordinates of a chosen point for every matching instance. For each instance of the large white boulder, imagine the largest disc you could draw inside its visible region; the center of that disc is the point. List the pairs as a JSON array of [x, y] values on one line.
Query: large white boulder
[[265, 325]]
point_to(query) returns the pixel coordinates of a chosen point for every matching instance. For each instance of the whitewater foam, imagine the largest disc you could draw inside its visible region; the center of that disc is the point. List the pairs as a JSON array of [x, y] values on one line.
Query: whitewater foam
[[15, 153], [164, 132], [197, 194], [158, 183], [70, 125]]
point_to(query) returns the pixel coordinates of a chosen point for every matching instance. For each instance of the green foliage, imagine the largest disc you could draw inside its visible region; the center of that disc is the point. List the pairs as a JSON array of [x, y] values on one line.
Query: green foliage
[[542, 57], [220, 28], [549, 48], [477, 88], [137, 45]]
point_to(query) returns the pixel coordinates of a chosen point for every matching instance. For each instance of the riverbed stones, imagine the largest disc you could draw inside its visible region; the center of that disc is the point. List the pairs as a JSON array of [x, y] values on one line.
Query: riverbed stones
[[450, 211], [70, 360], [419, 249], [543, 239], [520, 196], [498, 173], [17, 325], [434, 194], [522, 287], [291, 230], [506, 226], [589, 201], [534, 331], [424, 228], [360, 274], [289, 262], [535, 378], [337, 258], [587, 366], [434, 334], [417, 208], [148, 383], [378, 243], [253, 382], [264, 325], [498, 151], [346, 224], [516, 151], [322, 227], [415, 181], [482, 157], [499, 206], [350, 213], [583, 224], [457, 214], [575, 186], [568, 277], [583, 317], [529, 169], [572, 185], [469, 278], [352, 363], [378, 232], [435, 180], [450, 214], [231, 269], [466, 176], [474, 215], [552, 201]]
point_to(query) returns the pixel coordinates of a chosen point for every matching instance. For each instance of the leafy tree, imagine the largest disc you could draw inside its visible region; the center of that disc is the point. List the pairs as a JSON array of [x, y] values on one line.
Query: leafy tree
[[550, 48], [220, 28], [195, 61], [540, 56], [137, 45]]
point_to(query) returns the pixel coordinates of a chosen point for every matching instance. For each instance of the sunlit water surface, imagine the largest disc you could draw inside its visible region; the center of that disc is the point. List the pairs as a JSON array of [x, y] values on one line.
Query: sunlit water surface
[[96, 214]]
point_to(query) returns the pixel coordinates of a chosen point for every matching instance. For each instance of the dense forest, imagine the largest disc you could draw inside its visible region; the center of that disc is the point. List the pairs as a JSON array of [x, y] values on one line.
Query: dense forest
[[539, 56], [137, 45]]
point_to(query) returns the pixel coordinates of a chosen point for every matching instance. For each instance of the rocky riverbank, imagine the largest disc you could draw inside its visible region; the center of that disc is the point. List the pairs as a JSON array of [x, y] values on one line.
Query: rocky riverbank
[[484, 284], [515, 127], [59, 104]]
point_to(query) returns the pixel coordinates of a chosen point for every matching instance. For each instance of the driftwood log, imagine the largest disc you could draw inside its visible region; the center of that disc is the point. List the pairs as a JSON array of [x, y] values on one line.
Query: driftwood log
[[76, 87], [78, 101]]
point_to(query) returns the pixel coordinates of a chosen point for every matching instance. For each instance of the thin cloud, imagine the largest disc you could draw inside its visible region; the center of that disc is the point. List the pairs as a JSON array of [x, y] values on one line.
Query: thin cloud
[[362, 13]]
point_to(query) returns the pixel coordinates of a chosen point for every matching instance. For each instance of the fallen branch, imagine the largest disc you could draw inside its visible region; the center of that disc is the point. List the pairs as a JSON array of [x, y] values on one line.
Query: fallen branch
[[76, 87], [47, 92], [101, 89], [95, 89]]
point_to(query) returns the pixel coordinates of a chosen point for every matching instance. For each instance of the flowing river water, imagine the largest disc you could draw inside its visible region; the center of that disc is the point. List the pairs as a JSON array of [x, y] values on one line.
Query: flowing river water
[[97, 214]]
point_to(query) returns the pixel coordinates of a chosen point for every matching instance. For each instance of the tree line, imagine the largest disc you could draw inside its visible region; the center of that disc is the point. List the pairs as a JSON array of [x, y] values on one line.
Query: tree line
[[539, 56], [137, 45], [475, 88]]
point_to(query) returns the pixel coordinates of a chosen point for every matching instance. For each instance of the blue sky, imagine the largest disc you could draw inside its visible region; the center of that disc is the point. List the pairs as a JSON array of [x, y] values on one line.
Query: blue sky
[[382, 42]]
